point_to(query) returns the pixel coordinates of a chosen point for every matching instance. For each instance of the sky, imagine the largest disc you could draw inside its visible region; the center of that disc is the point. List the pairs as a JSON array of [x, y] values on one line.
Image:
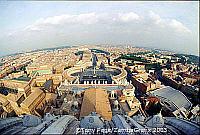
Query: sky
[[29, 25]]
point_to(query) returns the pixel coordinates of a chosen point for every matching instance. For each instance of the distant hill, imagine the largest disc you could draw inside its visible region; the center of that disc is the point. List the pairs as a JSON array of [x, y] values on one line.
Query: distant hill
[[191, 58], [52, 48]]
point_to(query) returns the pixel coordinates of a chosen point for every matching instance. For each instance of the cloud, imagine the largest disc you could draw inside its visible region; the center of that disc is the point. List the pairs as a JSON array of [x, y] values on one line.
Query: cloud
[[128, 17], [155, 17], [179, 26], [172, 24], [94, 18], [65, 19], [112, 28]]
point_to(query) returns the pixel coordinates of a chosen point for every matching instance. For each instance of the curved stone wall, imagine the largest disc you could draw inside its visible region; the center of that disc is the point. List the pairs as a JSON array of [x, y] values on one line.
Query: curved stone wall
[[118, 79]]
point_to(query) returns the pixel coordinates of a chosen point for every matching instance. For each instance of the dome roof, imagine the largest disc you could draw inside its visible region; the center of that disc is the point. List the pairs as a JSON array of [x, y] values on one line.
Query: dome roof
[[91, 121]]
